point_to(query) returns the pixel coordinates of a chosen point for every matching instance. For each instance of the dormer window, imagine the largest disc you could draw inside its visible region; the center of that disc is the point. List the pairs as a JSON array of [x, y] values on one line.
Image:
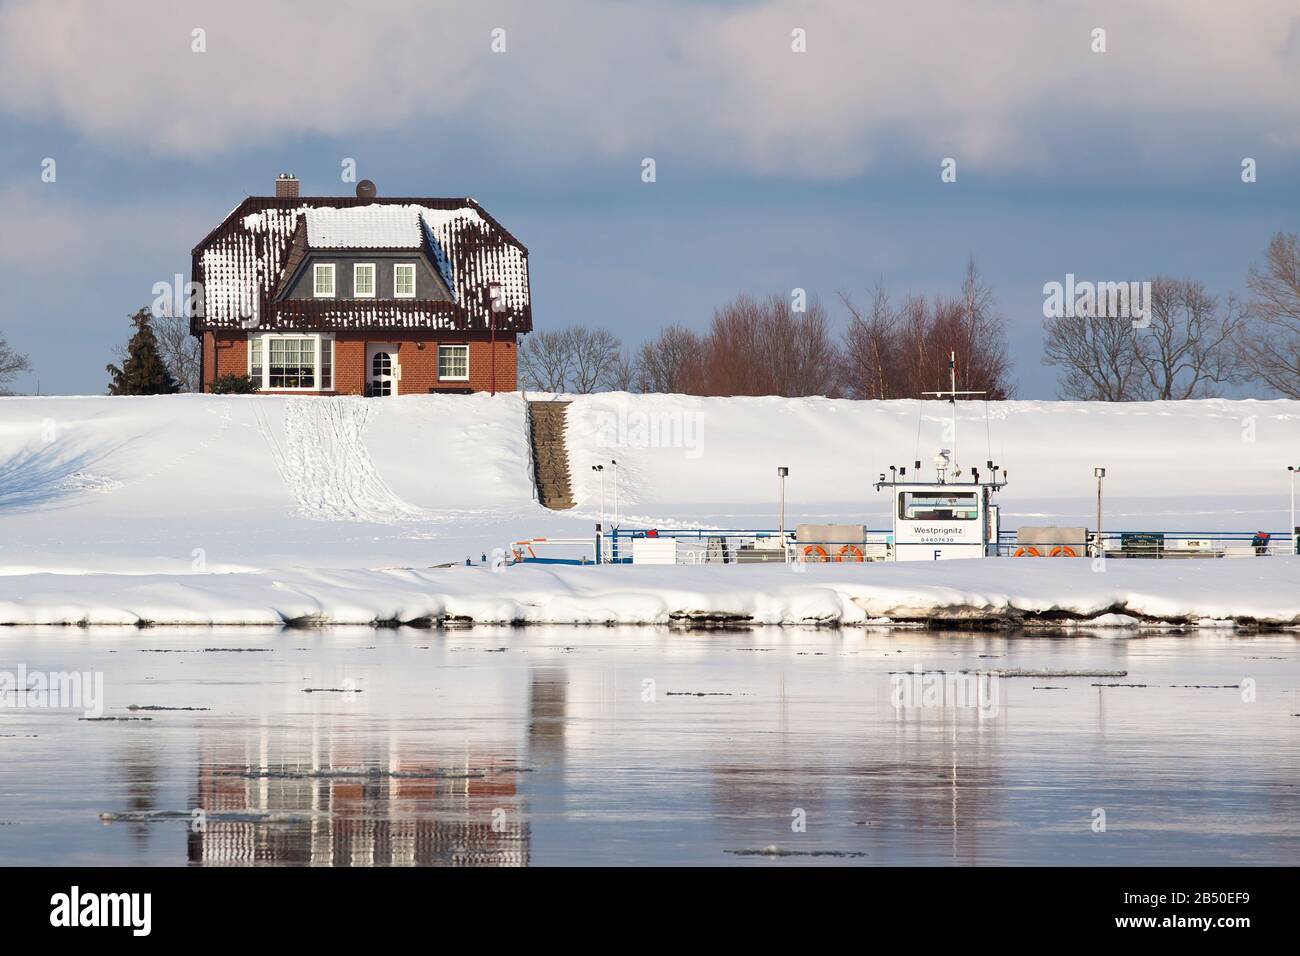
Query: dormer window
[[404, 281], [323, 280], [363, 280]]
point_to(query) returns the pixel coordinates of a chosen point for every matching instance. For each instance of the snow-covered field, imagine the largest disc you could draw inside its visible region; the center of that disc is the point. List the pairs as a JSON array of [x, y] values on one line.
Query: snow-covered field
[[1195, 466], [274, 508], [229, 483]]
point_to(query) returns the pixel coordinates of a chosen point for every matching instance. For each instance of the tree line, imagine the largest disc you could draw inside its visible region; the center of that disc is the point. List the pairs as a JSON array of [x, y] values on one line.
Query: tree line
[[1193, 344], [785, 345]]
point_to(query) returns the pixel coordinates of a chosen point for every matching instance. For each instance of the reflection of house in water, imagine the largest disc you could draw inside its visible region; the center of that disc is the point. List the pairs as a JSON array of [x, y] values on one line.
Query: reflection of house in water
[[363, 803]]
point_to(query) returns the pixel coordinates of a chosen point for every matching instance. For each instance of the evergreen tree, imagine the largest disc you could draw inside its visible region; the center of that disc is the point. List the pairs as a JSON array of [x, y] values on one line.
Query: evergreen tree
[[143, 372]]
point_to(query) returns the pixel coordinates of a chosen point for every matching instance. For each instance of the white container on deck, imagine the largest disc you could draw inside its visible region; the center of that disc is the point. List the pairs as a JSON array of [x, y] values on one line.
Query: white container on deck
[[654, 550]]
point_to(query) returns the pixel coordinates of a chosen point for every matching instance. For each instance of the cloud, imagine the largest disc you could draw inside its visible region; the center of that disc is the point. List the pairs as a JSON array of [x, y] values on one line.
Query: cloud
[[45, 229], [999, 84]]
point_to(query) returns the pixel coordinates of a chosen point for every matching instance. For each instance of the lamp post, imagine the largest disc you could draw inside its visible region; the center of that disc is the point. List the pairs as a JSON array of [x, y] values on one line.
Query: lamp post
[[1295, 535], [781, 472], [1100, 473], [497, 302], [601, 470], [614, 466]]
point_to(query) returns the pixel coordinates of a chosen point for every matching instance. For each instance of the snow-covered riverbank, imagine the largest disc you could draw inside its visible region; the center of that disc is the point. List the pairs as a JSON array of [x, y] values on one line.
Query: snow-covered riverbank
[[168, 484], [260, 509], [992, 591]]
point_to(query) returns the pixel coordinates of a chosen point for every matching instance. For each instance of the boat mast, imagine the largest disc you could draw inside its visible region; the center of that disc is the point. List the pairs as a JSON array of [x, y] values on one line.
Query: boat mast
[[951, 395]]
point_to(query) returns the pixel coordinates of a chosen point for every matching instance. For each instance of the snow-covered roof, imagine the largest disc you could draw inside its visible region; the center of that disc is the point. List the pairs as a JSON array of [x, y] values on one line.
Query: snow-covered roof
[[365, 227], [243, 261]]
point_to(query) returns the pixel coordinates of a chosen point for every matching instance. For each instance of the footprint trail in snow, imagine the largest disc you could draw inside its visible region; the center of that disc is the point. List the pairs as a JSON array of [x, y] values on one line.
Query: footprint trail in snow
[[328, 469]]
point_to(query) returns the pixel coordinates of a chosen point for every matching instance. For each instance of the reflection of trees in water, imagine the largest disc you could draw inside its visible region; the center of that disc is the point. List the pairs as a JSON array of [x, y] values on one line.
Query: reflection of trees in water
[[548, 690], [140, 775], [364, 802], [928, 788]]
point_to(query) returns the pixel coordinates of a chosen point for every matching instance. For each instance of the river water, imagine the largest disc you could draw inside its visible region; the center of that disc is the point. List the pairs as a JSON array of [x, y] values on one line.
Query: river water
[[566, 745]]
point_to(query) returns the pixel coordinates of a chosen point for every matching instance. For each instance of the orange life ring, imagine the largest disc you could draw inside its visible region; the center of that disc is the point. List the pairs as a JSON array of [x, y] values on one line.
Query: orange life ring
[[816, 549], [852, 550], [1029, 552], [1063, 550]]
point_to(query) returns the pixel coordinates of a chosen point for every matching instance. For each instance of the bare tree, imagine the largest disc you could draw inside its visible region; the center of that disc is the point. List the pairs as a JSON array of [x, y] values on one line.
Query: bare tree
[[802, 358], [672, 363], [11, 363], [1097, 358], [869, 347], [1188, 349], [596, 354], [623, 375], [902, 352], [179, 350], [767, 348], [546, 360], [1270, 344]]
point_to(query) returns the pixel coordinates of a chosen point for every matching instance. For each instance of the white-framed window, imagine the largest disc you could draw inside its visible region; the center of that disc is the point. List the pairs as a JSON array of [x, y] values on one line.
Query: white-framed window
[[292, 363], [404, 280], [453, 363], [256, 352], [323, 280], [363, 280]]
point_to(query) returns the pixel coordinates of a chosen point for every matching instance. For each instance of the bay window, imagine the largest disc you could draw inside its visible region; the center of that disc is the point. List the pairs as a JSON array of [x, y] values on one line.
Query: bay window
[[298, 363]]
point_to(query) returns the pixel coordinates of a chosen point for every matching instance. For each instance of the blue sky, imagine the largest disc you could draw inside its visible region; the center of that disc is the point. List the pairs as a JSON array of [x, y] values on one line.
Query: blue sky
[[775, 169]]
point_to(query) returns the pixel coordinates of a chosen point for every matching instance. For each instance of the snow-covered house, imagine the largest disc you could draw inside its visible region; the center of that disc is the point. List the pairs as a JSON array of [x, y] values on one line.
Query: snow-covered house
[[361, 296]]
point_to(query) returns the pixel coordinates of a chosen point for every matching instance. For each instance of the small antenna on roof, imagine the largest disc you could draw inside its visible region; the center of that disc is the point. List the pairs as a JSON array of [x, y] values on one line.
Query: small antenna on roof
[[366, 189]]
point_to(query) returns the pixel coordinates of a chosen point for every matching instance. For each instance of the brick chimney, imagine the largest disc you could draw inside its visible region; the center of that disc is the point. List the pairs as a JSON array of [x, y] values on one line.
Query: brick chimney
[[286, 186]]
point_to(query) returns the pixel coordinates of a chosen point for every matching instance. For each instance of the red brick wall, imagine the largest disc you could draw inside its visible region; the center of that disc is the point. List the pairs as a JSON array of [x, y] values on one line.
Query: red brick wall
[[349, 365], [420, 366], [225, 354]]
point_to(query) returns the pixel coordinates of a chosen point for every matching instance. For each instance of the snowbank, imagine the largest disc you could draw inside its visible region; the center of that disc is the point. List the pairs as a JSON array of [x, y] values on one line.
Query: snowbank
[[178, 484], [1258, 590], [227, 483], [1212, 465]]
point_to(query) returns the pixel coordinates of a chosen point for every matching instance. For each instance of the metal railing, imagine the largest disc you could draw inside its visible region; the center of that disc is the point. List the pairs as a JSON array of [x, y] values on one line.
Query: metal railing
[[761, 545], [703, 545], [551, 551], [1157, 545], [746, 546]]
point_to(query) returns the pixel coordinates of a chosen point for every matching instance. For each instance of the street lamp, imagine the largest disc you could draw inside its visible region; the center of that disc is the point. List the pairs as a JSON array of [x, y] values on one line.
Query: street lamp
[[781, 472], [601, 470], [498, 304], [1100, 473], [614, 465], [1295, 532]]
